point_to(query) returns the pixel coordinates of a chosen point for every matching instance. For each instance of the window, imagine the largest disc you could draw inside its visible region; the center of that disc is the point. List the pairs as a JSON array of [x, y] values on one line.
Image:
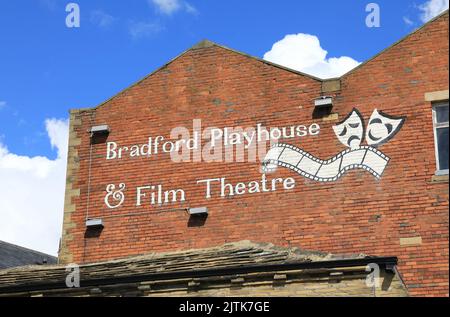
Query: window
[[441, 138]]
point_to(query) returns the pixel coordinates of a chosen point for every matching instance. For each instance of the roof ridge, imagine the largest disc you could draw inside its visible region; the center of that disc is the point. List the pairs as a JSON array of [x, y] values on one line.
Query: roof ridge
[[205, 43], [201, 45]]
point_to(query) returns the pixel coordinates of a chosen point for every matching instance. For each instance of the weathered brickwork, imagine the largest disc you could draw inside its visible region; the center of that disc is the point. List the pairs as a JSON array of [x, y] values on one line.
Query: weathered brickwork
[[352, 283], [355, 214]]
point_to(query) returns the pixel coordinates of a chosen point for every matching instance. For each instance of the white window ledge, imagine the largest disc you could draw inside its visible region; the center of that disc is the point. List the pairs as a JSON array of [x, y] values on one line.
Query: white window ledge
[[441, 173]]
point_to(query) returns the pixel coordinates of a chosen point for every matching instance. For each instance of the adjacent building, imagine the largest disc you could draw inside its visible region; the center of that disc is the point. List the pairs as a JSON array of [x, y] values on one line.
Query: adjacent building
[[12, 256]]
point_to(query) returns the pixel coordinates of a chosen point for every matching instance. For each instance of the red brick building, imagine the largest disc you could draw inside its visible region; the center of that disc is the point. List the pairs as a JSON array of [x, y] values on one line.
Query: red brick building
[[367, 174]]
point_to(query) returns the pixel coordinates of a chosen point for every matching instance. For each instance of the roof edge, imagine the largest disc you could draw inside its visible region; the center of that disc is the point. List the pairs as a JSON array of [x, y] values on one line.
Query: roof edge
[[394, 44], [271, 63], [133, 84], [207, 43], [200, 45]]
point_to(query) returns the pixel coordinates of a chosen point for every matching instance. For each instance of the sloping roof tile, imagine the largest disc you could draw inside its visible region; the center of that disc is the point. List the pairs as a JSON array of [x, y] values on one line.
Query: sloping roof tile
[[242, 254], [13, 256]]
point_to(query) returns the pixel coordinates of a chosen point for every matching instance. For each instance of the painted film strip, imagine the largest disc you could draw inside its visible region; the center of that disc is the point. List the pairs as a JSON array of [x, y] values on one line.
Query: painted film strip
[[306, 165]]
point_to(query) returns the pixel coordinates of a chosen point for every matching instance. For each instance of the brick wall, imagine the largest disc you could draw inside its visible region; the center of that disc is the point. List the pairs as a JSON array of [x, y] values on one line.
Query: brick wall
[[404, 214]]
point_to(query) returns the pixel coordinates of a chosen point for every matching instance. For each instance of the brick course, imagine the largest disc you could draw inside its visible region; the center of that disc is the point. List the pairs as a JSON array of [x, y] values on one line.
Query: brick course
[[356, 214]]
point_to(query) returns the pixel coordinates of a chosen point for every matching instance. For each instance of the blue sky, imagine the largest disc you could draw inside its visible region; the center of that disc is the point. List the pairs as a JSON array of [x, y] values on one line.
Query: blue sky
[[47, 68]]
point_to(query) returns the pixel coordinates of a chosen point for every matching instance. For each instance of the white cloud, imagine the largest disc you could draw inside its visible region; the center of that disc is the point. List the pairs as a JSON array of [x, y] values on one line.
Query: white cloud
[[171, 6], [408, 21], [2, 104], [432, 8], [167, 6], [303, 52], [32, 193], [102, 19], [49, 4], [144, 29], [190, 8]]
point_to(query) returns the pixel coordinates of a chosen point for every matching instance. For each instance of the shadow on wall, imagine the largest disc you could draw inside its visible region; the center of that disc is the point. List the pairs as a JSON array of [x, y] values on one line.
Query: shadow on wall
[[197, 220], [93, 232]]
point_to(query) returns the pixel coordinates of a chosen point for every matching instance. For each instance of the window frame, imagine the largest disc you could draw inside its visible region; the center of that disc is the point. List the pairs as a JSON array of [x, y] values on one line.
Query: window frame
[[436, 125]]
